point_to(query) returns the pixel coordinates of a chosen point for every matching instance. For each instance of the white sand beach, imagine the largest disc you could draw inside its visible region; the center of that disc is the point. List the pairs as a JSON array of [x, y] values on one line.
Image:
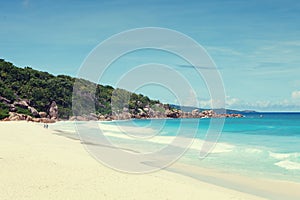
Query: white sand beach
[[37, 164]]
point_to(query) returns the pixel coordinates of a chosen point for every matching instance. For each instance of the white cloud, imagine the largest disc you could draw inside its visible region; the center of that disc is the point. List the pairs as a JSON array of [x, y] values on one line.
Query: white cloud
[[220, 104], [191, 99], [289, 104], [259, 105], [232, 101], [212, 103], [205, 103], [262, 104], [291, 43], [296, 95], [267, 105]]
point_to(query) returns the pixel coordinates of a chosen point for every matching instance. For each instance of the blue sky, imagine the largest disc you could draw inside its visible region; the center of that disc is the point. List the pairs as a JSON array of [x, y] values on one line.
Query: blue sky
[[255, 44]]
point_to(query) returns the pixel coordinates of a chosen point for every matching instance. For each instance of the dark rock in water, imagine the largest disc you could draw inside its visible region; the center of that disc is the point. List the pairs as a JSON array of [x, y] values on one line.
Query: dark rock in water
[[53, 110]]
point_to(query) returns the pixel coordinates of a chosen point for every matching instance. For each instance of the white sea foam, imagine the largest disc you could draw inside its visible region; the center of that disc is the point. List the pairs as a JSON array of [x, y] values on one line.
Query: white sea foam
[[217, 148], [117, 131], [64, 126], [279, 156], [282, 156], [289, 165], [182, 142], [253, 150], [286, 161]]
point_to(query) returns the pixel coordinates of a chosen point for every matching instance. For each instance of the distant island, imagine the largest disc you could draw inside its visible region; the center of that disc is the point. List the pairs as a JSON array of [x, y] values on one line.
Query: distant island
[[32, 95]]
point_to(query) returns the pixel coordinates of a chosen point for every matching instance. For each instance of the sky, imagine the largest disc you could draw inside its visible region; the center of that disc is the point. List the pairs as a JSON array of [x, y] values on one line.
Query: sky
[[254, 44]]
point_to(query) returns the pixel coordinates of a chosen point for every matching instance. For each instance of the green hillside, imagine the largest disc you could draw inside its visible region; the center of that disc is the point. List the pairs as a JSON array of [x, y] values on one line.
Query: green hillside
[[41, 88]]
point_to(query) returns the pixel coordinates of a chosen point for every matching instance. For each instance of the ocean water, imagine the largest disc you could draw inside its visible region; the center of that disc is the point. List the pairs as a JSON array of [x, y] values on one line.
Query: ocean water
[[263, 145]]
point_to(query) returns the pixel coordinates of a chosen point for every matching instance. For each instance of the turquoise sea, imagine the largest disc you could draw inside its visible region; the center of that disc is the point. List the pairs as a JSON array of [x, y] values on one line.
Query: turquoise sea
[[262, 145]]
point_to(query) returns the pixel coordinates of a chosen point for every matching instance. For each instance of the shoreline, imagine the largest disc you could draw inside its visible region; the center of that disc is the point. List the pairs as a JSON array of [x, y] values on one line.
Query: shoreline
[[112, 130], [37, 164], [266, 187], [232, 179], [260, 186]]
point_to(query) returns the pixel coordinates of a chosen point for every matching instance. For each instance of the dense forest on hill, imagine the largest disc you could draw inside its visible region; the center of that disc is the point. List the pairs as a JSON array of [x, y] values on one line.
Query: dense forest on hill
[[41, 88]]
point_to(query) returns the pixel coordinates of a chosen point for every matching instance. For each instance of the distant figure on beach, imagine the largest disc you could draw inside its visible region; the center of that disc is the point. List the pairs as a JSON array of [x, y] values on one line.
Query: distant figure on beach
[[45, 125]]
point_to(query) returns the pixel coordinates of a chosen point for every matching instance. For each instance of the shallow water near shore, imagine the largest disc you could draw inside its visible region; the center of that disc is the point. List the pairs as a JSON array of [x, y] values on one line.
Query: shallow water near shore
[[266, 145]]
